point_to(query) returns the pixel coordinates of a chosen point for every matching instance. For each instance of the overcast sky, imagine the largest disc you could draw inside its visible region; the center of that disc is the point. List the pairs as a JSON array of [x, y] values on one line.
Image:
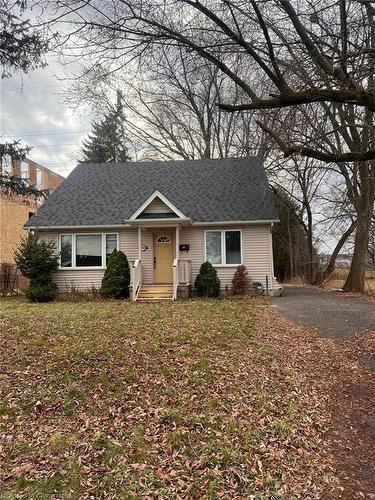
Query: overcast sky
[[32, 110]]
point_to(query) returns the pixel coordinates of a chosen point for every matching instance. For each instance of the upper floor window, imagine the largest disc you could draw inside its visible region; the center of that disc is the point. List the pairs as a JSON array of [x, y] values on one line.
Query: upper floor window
[[6, 164], [38, 178], [24, 170], [224, 247]]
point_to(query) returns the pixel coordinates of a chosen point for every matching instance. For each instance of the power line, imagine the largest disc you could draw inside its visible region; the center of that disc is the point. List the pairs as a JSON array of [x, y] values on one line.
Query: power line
[[35, 114], [57, 145], [43, 134], [18, 89]]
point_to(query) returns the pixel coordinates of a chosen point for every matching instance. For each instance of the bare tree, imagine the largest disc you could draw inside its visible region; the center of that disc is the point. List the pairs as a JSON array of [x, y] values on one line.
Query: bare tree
[[310, 54], [170, 107]]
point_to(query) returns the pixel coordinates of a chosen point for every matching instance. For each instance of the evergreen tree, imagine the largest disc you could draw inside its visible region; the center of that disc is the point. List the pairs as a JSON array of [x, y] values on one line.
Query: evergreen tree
[[22, 46], [116, 279], [107, 142], [37, 259], [207, 283]]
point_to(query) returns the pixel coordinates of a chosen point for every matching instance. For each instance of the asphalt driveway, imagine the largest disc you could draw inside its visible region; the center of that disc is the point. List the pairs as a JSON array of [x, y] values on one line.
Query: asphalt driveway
[[333, 314]]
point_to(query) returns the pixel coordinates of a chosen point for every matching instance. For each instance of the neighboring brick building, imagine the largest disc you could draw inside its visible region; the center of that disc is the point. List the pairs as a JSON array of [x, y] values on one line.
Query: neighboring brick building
[[15, 210]]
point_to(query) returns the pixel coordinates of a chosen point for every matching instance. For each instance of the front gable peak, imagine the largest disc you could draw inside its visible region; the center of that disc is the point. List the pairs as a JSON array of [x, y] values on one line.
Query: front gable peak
[[157, 206]]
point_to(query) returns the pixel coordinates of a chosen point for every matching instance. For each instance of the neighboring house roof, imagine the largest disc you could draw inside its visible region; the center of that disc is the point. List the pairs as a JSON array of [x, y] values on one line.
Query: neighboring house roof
[[106, 194]]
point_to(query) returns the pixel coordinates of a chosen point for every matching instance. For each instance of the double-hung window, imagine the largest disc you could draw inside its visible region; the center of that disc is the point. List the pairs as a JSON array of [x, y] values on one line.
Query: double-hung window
[[86, 250], [224, 247]]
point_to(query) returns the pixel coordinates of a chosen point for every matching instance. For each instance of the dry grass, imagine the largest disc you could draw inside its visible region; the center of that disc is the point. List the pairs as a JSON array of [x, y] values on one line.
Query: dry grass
[[124, 400], [337, 280], [195, 399]]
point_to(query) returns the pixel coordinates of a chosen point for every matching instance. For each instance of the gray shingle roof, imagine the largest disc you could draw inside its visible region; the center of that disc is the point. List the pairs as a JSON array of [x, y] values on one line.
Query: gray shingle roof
[[203, 190]]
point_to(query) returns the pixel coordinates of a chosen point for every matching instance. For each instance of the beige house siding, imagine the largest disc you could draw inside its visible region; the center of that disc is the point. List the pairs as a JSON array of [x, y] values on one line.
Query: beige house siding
[[157, 206], [256, 254]]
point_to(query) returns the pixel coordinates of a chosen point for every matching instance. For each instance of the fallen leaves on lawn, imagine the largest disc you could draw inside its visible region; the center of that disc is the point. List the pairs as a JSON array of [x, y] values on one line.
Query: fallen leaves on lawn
[[196, 399]]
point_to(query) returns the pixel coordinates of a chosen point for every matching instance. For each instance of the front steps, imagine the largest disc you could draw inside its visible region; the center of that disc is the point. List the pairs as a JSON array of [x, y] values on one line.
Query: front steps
[[155, 293]]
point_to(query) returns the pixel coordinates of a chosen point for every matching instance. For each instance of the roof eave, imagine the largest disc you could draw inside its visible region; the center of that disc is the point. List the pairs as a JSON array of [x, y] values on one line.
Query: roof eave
[[153, 222], [235, 222]]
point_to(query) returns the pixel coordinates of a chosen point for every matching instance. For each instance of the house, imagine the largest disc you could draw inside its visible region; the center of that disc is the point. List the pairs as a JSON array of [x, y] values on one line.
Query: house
[[16, 210], [167, 217]]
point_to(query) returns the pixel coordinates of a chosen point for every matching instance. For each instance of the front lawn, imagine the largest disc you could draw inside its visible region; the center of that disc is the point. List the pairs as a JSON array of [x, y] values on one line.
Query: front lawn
[[186, 400]]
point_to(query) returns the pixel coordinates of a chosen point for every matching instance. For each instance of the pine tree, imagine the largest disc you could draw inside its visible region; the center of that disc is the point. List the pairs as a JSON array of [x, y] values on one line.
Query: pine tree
[[107, 142], [37, 259]]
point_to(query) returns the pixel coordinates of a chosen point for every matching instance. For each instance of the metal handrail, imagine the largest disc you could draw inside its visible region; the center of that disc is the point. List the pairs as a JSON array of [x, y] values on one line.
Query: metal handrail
[[136, 278], [175, 278]]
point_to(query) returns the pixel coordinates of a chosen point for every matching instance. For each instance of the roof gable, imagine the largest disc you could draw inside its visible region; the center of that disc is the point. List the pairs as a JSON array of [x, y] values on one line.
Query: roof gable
[[156, 204]]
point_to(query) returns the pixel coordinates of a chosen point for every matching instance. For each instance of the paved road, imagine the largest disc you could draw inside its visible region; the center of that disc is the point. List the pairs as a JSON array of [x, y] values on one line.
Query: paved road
[[333, 314]]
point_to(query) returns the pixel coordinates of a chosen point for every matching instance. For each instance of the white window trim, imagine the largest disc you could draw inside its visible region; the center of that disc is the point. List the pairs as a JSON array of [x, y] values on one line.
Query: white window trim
[[73, 267], [164, 199], [223, 253]]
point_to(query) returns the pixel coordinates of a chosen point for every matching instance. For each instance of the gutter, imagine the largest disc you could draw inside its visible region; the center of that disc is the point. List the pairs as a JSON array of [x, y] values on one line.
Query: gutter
[[131, 223]]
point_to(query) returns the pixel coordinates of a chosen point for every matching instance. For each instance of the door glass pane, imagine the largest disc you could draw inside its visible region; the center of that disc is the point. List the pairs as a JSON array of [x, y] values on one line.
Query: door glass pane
[[213, 247], [110, 245], [66, 250], [88, 250], [233, 247]]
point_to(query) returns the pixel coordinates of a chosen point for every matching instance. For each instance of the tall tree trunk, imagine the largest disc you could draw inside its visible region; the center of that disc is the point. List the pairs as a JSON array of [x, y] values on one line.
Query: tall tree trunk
[[290, 245], [355, 281], [311, 273], [332, 261]]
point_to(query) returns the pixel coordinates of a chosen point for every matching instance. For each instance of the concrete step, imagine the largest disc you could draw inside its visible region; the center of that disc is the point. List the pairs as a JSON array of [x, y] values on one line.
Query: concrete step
[[154, 299], [154, 293]]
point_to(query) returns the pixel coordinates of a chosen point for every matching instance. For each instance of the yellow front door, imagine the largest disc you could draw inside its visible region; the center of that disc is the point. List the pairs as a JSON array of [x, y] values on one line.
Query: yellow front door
[[163, 257]]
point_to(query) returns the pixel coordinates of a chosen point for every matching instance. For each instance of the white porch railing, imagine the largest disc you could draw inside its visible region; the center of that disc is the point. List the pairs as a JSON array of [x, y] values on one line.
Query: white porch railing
[[136, 278], [175, 279], [184, 271], [181, 274]]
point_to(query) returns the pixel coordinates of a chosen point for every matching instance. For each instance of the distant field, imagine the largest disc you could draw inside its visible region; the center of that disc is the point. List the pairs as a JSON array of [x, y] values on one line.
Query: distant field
[[338, 278]]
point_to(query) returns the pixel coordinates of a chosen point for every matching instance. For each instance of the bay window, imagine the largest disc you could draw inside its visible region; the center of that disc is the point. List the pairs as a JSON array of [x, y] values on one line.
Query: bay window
[[86, 250], [224, 247]]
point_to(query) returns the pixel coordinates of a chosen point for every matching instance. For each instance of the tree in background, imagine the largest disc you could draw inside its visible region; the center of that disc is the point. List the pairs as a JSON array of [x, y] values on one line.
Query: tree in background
[[170, 108], [107, 142], [290, 242], [22, 46], [37, 259], [12, 185], [371, 244]]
